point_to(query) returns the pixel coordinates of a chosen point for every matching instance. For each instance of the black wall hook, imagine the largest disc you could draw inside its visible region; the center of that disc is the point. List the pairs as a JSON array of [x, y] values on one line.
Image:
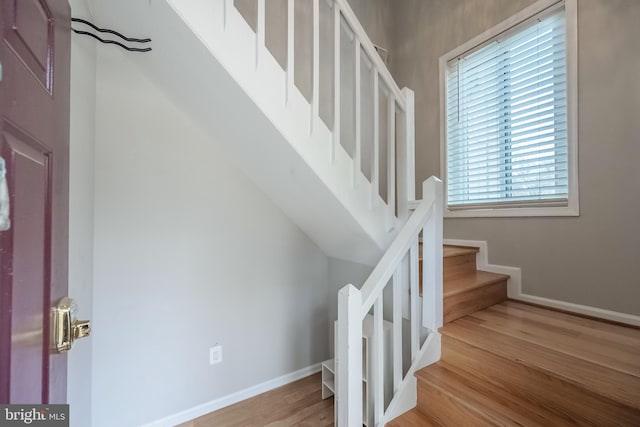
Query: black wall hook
[[106, 41]]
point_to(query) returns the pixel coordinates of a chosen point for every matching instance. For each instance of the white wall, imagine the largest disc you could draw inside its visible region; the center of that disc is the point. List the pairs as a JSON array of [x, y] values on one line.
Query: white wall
[[82, 128], [188, 253]]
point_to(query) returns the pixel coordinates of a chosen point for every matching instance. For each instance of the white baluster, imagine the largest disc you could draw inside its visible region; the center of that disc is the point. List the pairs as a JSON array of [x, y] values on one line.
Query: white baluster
[[359, 32], [357, 155], [378, 360], [260, 32], [410, 145], [228, 4], [391, 161], [415, 297], [290, 49], [336, 81], [405, 159], [375, 167], [315, 96], [397, 328]]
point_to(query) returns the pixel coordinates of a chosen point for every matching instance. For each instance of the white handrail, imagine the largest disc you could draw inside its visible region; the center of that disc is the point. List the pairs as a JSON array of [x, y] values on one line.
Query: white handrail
[[381, 274], [398, 138], [354, 305], [369, 48]]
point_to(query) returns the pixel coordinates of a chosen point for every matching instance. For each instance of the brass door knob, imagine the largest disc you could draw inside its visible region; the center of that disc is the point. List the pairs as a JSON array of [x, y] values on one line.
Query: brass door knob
[[65, 328]]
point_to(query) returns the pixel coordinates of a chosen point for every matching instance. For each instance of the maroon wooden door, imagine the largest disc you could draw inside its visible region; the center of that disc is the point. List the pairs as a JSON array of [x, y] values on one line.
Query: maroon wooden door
[[34, 135]]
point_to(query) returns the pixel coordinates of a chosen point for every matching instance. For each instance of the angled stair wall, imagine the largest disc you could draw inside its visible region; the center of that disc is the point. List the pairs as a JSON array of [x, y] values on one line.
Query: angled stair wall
[[345, 180], [347, 187]]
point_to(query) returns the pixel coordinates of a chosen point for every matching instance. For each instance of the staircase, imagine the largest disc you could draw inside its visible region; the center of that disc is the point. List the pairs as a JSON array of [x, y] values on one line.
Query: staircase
[[508, 363], [337, 157], [298, 98]]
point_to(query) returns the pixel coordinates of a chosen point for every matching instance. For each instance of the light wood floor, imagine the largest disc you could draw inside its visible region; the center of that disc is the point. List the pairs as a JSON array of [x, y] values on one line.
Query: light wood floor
[[295, 404], [510, 364], [516, 364]]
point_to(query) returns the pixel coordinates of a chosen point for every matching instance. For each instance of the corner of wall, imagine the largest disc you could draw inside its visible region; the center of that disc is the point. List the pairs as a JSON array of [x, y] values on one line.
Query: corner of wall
[[515, 292], [81, 199]]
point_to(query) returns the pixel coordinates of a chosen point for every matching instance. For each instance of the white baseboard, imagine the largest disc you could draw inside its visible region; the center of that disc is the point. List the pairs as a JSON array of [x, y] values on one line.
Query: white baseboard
[[214, 405], [514, 284], [600, 313], [514, 288]]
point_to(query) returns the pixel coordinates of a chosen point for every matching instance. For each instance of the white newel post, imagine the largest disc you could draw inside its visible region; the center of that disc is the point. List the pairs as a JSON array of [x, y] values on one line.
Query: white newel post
[[349, 358], [432, 257]]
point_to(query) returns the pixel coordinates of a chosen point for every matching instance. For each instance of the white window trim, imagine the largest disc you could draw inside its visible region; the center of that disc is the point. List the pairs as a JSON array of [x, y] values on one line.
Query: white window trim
[[573, 207]]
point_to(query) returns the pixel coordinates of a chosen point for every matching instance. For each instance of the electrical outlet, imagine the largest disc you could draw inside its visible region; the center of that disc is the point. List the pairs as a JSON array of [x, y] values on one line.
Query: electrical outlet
[[215, 354]]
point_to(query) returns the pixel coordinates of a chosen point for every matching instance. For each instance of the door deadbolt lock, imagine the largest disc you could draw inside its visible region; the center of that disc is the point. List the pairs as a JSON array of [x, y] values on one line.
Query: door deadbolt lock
[[65, 327]]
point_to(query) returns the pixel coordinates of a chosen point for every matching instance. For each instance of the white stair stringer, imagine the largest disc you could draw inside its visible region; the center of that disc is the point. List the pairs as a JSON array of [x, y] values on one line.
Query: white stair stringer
[[204, 57], [406, 398]]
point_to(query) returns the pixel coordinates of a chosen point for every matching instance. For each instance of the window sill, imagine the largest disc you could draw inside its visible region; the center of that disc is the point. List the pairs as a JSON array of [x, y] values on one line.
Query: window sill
[[513, 212]]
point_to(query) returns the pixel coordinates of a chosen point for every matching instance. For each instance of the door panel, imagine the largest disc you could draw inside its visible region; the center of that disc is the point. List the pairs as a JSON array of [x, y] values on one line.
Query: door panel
[[30, 34], [34, 133], [27, 166]]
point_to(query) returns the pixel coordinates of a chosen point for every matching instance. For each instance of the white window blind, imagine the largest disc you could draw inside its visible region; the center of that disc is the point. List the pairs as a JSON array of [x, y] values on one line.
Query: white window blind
[[506, 119]]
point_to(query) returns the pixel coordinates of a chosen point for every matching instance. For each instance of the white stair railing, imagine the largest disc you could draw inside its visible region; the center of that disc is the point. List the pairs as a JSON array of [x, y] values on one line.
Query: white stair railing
[[373, 123], [396, 119], [354, 305], [401, 101]]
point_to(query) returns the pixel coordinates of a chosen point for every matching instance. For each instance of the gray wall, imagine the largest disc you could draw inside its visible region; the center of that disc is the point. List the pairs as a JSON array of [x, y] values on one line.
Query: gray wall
[[593, 259], [341, 273], [376, 18], [188, 253], [374, 15]]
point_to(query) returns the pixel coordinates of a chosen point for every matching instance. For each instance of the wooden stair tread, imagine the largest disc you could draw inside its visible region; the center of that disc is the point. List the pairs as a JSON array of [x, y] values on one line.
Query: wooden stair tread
[[470, 281], [451, 251], [601, 330], [540, 351], [564, 339], [485, 400], [575, 404], [412, 418]]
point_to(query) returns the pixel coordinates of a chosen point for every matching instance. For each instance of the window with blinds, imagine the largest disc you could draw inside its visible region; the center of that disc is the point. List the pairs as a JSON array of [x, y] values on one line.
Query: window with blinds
[[506, 118]]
